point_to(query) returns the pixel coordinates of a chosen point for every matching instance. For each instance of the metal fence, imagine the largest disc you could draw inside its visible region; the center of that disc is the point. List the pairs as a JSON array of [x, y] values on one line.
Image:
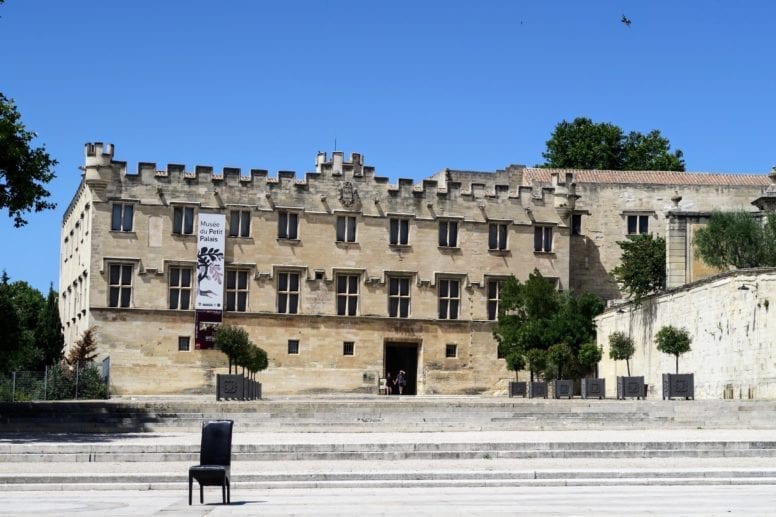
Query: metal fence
[[58, 382]]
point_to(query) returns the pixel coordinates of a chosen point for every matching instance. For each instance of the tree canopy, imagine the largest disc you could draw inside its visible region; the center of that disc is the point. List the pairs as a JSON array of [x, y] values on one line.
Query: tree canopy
[[30, 330], [621, 348], [673, 341], [584, 144], [642, 268], [24, 169], [737, 239], [535, 316]]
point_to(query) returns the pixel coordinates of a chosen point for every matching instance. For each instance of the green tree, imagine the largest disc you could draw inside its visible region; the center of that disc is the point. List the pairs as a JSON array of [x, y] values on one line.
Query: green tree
[[84, 350], [515, 362], [537, 361], [534, 315], [584, 144], [674, 341], [234, 342], [642, 268], [24, 170], [256, 361], [559, 356], [737, 239], [589, 356], [10, 327], [49, 339], [525, 313], [621, 348]]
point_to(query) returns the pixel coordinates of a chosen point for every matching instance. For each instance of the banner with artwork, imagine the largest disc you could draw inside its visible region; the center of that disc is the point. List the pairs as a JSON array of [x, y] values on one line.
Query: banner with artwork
[[211, 235]]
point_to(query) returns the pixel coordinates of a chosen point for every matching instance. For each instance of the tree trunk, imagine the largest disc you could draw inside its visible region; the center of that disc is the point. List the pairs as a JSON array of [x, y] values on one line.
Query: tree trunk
[[677, 363], [627, 364]]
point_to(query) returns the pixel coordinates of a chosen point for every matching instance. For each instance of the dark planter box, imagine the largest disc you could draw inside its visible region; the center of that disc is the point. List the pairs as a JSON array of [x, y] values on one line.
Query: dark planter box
[[230, 386], [593, 388], [538, 390], [518, 389], [679, 385], [562, 388], [630, 387]]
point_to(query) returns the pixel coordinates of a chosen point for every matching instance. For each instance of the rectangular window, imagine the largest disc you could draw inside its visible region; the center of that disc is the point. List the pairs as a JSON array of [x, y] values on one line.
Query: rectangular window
[[494, 291], [400, 232], [121, 219], [497, 236], [346, 228], [180, 288], [119, 285], [288, 293], [399, 297], [448, 234], [236, 290], [183, 220], [347, 295], [288, 225], [449, 299], [576, 224], [293, 347], [183, 343], [348, 348], [451, 351], [543, 239], [638, 224], [239, 223]]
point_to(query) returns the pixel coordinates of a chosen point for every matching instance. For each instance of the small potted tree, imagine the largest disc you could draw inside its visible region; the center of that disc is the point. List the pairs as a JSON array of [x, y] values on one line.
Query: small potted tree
[[674, 341], [537, 362], [234, 342], [589, 356], [516, 362], [256, 361], [621, 348], [560, 355]]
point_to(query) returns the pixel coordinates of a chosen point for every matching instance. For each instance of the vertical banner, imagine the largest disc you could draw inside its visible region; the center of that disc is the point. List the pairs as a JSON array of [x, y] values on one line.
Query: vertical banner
[[210, 262], [209, 303]]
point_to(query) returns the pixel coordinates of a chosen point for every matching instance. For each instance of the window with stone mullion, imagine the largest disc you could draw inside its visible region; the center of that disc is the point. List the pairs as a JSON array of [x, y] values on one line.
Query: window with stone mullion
[[347, 295], [449, 299]]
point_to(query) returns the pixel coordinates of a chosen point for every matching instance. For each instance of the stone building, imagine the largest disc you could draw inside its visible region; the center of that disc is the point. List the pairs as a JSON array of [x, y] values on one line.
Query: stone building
[[340, 275]]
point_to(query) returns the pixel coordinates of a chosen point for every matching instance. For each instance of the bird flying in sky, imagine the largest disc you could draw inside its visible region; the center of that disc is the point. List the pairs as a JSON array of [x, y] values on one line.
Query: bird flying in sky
[[625, 20]]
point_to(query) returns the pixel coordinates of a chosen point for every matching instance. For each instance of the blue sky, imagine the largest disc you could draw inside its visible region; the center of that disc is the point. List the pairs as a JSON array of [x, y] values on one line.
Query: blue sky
[[416, 86]]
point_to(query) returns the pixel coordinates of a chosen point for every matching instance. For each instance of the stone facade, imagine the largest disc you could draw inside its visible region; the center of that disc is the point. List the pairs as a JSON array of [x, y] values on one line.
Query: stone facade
[[131, 256], [128, 239], [731, 325]]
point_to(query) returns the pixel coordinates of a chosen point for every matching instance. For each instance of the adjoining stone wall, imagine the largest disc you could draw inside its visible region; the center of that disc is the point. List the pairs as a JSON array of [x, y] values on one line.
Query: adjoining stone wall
[[733, 329], [606, 207]]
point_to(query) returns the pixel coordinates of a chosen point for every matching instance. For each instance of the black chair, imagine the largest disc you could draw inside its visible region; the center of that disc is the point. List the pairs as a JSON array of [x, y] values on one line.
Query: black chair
[[215, 458]]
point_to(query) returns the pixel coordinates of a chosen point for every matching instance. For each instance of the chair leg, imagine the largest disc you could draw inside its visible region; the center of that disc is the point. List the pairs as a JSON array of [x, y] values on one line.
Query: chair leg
[[228, 492], [201, 495], [190, 483], [223, 491]]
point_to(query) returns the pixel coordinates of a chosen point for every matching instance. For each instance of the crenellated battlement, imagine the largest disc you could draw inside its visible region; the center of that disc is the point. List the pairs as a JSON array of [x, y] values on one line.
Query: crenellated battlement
[[329, 176]]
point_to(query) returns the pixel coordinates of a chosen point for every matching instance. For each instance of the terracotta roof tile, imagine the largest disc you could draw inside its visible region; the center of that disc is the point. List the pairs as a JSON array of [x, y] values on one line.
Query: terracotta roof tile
[[537, 175]]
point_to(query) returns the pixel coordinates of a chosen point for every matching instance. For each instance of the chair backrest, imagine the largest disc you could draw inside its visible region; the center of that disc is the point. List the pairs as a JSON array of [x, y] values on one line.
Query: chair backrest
[[216, 446]]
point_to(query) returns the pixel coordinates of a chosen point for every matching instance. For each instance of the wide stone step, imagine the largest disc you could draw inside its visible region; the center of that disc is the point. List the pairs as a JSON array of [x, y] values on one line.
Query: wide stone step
[[91, 453], [567, 477]]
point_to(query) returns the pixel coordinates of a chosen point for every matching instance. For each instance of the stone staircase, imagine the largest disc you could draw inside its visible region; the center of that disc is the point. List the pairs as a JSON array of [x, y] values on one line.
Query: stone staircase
[[370, 414], [397, 442]]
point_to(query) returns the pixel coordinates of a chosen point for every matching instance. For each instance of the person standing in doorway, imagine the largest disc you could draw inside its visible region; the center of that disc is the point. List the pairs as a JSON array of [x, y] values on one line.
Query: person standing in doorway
[[388, 383], [401, 381]]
